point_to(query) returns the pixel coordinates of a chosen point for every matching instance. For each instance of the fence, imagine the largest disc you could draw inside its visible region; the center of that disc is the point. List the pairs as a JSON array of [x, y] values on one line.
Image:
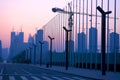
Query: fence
[[83, 35]]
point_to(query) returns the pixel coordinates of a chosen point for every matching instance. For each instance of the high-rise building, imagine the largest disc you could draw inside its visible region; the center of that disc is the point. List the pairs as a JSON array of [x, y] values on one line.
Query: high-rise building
[[93, 40], [16, 44], [38, 37], [30, 39], [45, 58], [21, 37], [114, 42], [5, 54], [82, 47], [30, 46]]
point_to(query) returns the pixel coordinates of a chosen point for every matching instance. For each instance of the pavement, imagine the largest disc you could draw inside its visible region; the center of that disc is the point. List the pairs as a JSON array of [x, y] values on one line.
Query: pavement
[[93, 74], [34, 72]]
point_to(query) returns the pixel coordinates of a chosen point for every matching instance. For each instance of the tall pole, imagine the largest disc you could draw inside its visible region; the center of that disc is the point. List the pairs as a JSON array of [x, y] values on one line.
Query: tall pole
[[34, 53], [66, 46], [108, 38], [86, 30], [103, 44], [26, 55], [97, 37], [79, 14], [30, 54], [51, 50], [115, 36], [41, 43]]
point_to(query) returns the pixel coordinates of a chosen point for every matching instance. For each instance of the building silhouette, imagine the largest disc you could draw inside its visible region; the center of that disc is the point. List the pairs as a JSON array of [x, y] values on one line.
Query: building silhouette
[[82, 47], [30, 47], [38, 37], [93, 40], [16, 44], [5, 54], [114, 40]]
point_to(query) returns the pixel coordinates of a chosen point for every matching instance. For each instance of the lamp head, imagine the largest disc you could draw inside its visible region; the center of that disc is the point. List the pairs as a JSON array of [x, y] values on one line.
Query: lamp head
[[100, 9], [108, 12], [57, 10]]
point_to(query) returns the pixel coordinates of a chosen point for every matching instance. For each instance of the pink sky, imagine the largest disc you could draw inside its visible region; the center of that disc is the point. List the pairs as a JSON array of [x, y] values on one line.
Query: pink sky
[[28, 14]]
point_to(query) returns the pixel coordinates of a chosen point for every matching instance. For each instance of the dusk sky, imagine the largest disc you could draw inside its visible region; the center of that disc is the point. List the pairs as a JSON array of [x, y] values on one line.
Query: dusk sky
[[29, 15], [26, 14]]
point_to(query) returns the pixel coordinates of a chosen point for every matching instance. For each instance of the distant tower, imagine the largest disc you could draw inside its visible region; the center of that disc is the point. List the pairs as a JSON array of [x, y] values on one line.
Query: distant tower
[[21, 37], [12, 52], [92, 40], [38, 37], [82, 47], [16, 44], [30, 39], [112, 35]]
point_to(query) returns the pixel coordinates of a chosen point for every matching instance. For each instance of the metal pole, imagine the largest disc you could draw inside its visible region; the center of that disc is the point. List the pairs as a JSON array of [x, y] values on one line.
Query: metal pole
[[97, 36], [108, 38], [66, 46], [30, 54], [115, 36], [103, 44], [86, 30], [26, 56], [41, 43], [50, 50], [34, 53]]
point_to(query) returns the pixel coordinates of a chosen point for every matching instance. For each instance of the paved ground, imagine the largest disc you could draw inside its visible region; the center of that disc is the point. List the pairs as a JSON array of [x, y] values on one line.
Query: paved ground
[[95, 74], [30, 72]]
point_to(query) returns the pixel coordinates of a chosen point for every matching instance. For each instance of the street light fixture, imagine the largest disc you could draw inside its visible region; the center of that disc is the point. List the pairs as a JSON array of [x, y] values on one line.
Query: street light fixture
[[103, 44], [41, 43], [51, 50], [66, 46], [71, 13]]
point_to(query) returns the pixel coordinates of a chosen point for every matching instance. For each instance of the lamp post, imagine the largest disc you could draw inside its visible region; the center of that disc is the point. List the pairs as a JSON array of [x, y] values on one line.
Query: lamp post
[[66, 46], [70, 24], [41, 43], [103, 44], [34, 53], [26, 55], [51, 50], [30, 54]]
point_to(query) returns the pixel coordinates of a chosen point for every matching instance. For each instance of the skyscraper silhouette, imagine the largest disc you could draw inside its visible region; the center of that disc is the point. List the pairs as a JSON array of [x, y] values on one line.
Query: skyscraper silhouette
[[38, 37], [16, 44], [82, 47], [114, 36], [93, 40]]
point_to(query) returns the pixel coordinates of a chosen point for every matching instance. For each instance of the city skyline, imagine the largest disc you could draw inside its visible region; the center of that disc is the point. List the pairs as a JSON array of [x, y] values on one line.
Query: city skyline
[[12, 14], [28, 15]]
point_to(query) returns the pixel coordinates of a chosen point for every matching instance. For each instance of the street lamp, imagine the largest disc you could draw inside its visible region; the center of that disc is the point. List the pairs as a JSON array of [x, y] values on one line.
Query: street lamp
[[51, 50], [103, 44], [70, 20], [34, 53], [30, 54], [66, 46], [41, 43], [26, 55]]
